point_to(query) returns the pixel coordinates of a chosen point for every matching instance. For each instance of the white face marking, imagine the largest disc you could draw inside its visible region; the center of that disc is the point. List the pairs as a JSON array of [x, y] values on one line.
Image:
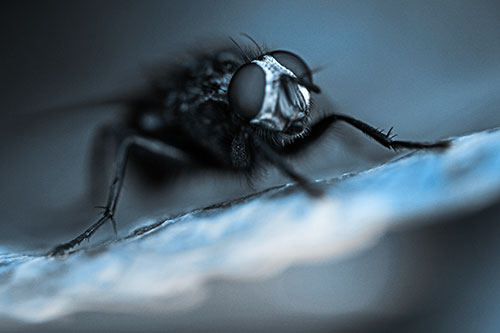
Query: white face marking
[[273, 71], [306, 94]]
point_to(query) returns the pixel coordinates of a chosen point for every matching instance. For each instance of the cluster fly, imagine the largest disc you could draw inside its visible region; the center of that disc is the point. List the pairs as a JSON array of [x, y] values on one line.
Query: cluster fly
[[232, 110]]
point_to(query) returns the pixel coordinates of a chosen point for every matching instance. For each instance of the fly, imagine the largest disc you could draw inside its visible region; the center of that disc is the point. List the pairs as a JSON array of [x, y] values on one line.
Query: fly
[[231, 110]]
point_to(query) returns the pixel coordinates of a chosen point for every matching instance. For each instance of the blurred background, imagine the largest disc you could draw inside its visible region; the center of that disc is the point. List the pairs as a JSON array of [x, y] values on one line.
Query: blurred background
[[429, 68]]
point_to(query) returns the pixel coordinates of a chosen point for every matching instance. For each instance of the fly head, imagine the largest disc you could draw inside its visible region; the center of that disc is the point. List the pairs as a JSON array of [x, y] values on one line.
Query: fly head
[[273, 93]]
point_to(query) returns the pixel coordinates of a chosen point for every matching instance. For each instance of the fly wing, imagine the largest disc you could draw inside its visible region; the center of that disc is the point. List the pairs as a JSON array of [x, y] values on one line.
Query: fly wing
[[125, 99]]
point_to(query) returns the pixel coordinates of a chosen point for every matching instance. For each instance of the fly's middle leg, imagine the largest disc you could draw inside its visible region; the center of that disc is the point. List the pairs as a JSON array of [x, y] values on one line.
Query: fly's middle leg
[[148, 144]]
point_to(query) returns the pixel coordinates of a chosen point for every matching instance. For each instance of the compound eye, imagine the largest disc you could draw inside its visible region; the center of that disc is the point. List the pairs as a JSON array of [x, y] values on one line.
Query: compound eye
[[246, 90], [294, 63]]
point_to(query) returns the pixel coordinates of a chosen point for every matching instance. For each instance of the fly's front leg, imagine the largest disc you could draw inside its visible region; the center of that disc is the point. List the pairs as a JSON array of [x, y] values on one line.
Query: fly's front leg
[[319, 128], [385, 139], [145, 143], [278, 161]]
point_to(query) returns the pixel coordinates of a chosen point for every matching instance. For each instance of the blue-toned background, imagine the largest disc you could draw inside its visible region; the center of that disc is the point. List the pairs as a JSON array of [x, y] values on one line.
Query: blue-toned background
[[429, 68]]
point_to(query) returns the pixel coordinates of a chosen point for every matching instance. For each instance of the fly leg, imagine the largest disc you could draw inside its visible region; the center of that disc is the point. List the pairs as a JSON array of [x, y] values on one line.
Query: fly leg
[[385, 139], [104, 146], [318, 129], [148, 144], [278, 161]]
